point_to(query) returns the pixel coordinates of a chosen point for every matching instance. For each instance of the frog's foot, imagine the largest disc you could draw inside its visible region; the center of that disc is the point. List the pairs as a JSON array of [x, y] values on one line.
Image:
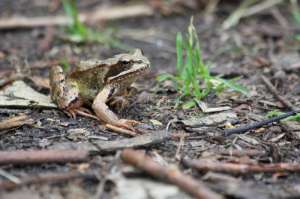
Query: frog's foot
[[70, 113], [80, 111], [124, 126], [127, 124], [120, 130], [119, 102]]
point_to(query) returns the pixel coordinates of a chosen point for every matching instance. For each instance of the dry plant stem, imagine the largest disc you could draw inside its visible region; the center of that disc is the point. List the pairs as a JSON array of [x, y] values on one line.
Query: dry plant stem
[[44, 178], [273, 90], [246, 11], [217, 166], [261, 7], [99, 14], [15, 122], [195, 188], [42, 156]]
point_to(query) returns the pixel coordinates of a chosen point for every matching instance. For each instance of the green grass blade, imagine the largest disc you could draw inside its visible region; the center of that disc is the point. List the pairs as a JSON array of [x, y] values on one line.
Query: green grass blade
[[179, 50], [234, 86]]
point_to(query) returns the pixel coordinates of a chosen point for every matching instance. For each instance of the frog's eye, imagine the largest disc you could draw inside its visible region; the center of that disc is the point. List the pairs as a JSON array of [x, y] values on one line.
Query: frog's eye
[[125, 62]]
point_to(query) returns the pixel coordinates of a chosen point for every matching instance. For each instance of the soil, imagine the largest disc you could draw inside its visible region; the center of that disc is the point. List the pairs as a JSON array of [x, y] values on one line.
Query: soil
[[259, 44]]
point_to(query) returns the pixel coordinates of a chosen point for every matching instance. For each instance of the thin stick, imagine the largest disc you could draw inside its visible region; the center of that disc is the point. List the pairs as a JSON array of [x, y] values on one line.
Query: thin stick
[[255, 125], [261, 7], [42, 156], [273, 90], [44, 178], [97, 15], [148, 139], [16, 121], [286, 103], [217, 166], [236, 152], [179, 146], [245, 11], [188, 184]]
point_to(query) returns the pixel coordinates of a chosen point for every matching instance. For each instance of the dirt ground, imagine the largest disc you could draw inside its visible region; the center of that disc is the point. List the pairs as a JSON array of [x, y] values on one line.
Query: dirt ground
[[262, 44]]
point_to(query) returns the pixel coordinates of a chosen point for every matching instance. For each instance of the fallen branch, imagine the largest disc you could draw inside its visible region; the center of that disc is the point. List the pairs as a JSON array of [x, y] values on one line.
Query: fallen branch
[[15, 121], [42, 156], [45, 178], [273, 90], [217, 166], [97, 15], [191, 186]]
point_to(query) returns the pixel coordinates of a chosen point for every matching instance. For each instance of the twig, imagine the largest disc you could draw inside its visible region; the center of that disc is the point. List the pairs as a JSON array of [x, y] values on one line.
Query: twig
[[261, 7], [195, 188], [97, 15], [236, 152], [217, 166], [245, 11], [42, 156], [110, 169], [44, 178], [138, 141], [46, 42], [13, 122], [180, 145], [259, 124], [252, 126], [273, 90]]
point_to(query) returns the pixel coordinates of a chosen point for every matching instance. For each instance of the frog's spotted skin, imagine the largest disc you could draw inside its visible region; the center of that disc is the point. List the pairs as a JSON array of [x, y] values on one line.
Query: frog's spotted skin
[[94, 82]]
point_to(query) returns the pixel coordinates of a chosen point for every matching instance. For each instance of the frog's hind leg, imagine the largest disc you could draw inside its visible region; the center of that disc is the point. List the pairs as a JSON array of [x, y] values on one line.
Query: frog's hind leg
[[105, 114]]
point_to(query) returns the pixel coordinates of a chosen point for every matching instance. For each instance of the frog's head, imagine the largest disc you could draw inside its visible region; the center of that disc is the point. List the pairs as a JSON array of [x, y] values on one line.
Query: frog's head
[[129, 67]]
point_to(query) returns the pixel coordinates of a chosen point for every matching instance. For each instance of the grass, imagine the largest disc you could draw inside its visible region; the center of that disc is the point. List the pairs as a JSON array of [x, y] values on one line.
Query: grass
[[193, 79], [275, 113], [77, 32], [296, 15], [65, 64]]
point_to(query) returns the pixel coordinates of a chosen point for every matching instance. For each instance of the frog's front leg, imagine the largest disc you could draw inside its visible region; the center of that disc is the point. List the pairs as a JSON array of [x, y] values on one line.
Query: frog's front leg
[[118, 102], [105, 114], [65, 94]]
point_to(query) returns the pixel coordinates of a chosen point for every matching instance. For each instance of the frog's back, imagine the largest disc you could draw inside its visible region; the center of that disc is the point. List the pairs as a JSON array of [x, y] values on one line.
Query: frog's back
[[89, 81], [88, 65]]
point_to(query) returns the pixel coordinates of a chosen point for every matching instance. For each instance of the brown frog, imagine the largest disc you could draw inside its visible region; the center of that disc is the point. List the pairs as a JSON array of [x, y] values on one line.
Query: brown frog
[[94, 83]]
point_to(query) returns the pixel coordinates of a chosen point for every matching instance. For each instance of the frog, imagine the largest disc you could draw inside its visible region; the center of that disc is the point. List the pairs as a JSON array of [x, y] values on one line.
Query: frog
[[94, 83]]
